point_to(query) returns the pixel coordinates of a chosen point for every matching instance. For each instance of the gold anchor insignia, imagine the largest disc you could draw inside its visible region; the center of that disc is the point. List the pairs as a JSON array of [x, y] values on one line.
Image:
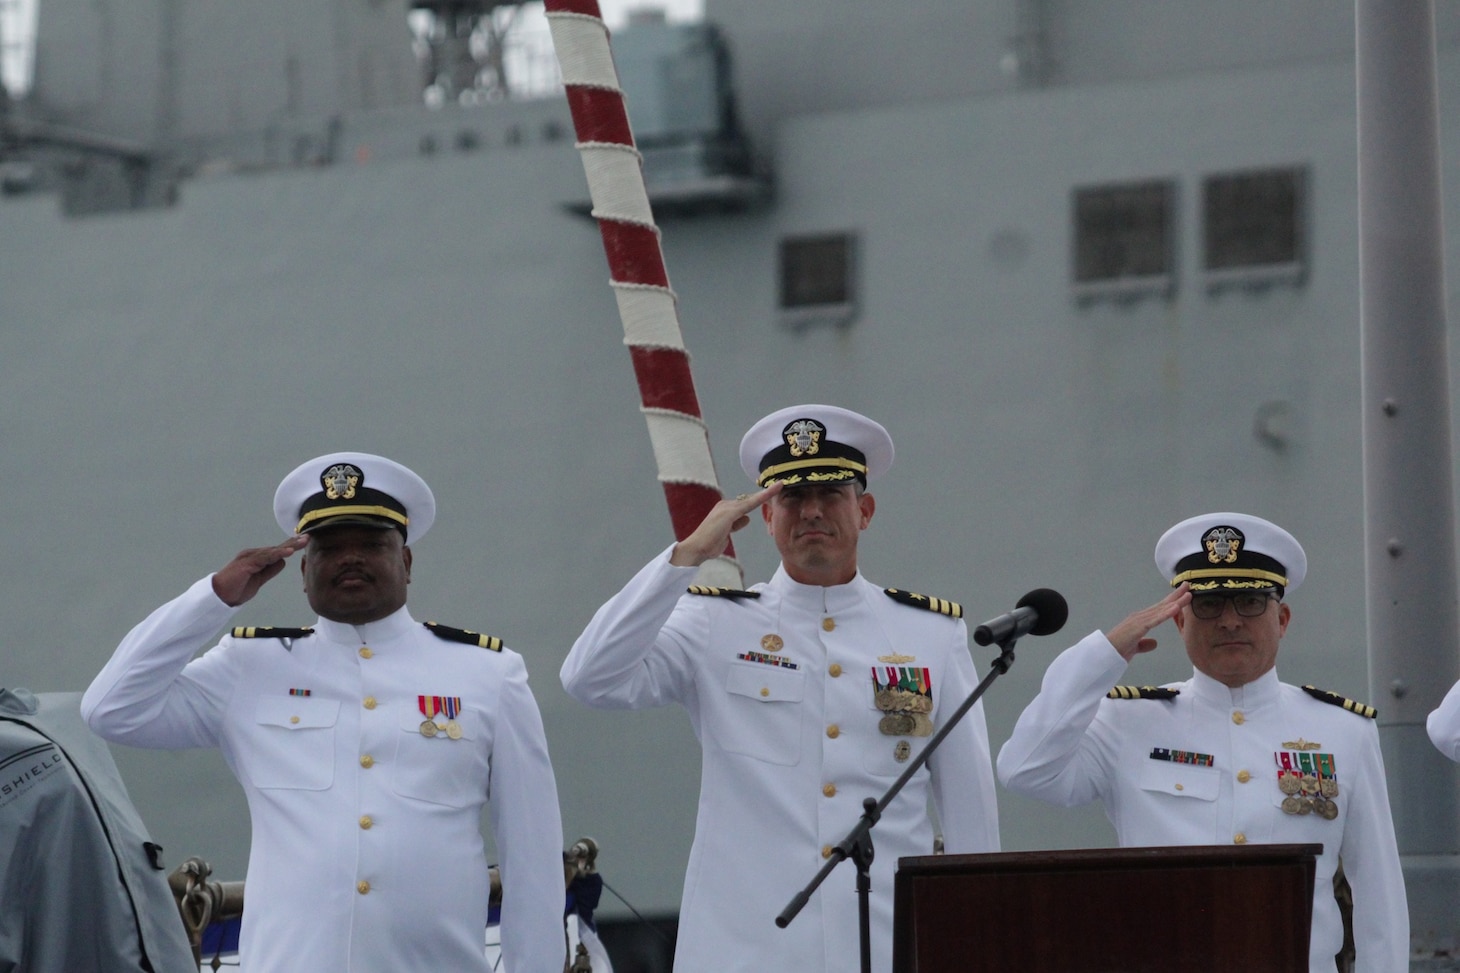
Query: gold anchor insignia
[[1301, 744], [804, 437], [1222, 544], [340, 481]]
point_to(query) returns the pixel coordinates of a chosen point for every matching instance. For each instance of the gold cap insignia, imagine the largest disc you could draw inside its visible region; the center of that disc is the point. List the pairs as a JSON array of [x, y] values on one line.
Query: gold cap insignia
[[804, 437], [1222, 544], [340, 481]]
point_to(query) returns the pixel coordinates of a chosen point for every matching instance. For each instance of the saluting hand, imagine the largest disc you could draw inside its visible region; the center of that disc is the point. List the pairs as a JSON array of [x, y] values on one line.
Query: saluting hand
[[1129, 637], [241, 578], [712, 536]]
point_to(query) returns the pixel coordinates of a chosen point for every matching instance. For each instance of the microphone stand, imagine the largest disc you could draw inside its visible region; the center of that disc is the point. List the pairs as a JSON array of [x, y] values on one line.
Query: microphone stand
[[857, 845]]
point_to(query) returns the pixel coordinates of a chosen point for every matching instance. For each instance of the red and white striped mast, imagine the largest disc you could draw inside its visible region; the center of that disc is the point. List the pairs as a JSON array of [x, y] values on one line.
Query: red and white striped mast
[[647, 306]]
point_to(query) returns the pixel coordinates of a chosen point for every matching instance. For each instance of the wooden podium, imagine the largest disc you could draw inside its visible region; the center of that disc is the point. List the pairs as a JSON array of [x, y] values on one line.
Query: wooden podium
[[1106, 910]]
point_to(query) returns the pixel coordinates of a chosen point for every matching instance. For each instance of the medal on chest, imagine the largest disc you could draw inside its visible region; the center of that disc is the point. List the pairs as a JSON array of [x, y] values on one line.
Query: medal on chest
[[448, 706], [1307, 779], [904, 697]]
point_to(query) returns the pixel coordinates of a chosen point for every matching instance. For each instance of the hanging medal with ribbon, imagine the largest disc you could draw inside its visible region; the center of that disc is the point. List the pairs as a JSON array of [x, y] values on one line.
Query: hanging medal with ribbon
[[904, 695], [429, 706], [452, 706], [1308, 781]]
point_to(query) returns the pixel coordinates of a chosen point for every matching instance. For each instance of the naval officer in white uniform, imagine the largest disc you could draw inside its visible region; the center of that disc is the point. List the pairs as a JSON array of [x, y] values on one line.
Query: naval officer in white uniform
[[808, 694], [367, 743], [1443, 724], [1231, 755]]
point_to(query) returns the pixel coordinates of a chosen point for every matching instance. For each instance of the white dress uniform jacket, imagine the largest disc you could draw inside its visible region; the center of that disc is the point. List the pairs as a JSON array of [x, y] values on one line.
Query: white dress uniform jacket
[[367, 851], [790, 750], [1072, 745], [1443, 725]]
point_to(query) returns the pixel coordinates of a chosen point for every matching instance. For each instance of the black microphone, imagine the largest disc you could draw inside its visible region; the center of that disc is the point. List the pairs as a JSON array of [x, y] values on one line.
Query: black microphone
[[1041, 612]]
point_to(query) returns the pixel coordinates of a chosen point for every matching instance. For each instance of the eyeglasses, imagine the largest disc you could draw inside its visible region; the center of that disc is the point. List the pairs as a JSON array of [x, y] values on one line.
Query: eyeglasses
[[1249, 604]]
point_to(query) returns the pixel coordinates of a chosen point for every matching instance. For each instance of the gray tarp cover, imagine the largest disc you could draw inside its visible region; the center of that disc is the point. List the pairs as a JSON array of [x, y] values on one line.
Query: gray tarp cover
[[80, 891]]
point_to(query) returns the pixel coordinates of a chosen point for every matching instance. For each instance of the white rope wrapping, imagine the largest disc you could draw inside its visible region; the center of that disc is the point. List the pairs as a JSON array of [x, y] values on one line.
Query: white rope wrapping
[[583, 54], [649, 316], [681, 449], [720, 572], [616, 182]]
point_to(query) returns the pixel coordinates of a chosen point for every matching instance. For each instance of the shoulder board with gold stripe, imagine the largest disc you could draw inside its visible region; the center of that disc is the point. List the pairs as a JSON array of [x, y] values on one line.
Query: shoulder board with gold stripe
[[1362, 709], [940, 605], [462, 635], [1142, 692], [269, 632], [713, 592]]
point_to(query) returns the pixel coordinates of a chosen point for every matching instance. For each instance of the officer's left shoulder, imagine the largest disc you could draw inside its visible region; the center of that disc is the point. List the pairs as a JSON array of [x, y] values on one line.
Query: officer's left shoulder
[[1335, 699], [464, 636], [926, 602]]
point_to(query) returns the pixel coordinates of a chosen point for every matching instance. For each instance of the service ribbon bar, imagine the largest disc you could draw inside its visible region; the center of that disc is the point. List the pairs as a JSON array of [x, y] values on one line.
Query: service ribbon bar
[[769, 660]]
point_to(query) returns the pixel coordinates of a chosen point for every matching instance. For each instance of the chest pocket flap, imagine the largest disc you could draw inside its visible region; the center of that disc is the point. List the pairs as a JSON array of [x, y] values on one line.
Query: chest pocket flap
[[743, 724], [451, 767], [1180, 780], [292, 743], [297, 712], [769, 684]]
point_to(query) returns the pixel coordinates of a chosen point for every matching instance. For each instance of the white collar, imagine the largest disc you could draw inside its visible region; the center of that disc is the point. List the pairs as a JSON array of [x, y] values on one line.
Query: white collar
[[391, 626], [1260, 691], [815, 597]]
